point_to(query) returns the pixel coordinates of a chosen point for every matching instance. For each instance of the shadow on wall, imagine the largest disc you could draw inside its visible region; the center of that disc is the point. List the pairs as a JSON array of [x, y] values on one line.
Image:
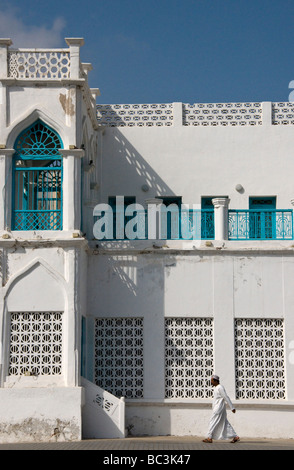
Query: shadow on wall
[[126, 172], [126, 301], [126, 296]]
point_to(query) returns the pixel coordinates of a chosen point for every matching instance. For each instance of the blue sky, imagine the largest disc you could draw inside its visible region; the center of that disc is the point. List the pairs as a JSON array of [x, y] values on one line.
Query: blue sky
[[160, 51]]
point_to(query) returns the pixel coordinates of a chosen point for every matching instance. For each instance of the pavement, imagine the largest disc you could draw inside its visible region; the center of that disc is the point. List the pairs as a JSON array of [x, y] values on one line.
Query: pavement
[[152, 446]]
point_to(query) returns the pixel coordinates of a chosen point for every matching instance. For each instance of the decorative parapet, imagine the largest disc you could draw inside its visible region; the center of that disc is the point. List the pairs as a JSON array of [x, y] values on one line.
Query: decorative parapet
[[42, 64], [283, 113], [131, 115], [39, 64], [197, 114], [222, 114], [52, 65]]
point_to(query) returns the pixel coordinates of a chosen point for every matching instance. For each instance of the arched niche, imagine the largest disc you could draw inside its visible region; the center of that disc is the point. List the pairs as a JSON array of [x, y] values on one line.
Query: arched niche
[[36, 289]]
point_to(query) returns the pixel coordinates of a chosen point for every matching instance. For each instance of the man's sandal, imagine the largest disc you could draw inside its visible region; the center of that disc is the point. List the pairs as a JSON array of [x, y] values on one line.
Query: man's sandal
[[236, 439], [207, 440]]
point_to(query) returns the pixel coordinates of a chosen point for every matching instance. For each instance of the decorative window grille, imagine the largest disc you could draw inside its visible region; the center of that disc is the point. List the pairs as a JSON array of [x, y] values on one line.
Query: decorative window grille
[[188, 357], [260, 364], [37, 167], [35, 343], [119, 356]]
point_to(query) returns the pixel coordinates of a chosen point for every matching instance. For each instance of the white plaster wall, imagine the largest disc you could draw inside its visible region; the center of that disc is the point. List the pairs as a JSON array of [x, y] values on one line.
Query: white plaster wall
[[44, 278], [58, 105], [40, 414], [192, 420], [193, 162], [222, 285]]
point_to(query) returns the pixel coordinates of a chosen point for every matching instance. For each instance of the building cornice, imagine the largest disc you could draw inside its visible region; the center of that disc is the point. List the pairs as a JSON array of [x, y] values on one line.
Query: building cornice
[[42, 82]]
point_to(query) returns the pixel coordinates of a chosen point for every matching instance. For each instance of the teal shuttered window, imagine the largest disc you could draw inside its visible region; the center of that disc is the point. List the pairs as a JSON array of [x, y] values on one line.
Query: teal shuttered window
[[37, 179]]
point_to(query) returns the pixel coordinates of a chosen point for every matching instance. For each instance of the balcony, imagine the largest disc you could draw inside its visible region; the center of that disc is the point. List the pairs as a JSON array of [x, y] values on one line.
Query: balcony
[[186, 225], [216, 224], [260, 224]]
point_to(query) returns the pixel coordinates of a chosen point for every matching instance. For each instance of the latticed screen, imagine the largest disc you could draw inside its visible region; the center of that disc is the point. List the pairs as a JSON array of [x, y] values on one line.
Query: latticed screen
[[259, 352], [119, 356], [188, 357], [38, 64], [37, 202], [222, 114], [135, 115], [35, 343]]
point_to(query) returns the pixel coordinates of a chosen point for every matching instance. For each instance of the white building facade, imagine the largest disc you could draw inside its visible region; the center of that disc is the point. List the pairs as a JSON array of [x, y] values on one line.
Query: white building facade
[[114, 316]]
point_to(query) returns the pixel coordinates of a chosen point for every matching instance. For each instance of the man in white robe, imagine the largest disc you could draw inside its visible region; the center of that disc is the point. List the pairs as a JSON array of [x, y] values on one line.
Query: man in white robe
[[219, 426]]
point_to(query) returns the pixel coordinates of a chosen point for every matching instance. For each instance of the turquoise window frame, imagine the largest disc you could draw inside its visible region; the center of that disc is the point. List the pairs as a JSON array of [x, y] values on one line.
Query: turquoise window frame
[[262, 222], [37, 202]]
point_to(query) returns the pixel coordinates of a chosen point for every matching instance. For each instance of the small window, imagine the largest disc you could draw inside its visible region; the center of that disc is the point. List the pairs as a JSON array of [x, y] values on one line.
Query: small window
[[206, 201], [268, 202], [167, 200], [127, 201]]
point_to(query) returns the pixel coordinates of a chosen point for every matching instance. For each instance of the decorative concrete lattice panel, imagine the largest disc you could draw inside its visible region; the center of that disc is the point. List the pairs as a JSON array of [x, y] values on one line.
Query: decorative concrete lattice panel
[[119, 356], [260, 363], [222, 114], [131, 115], [188, 357], [26, 64], [283, 113], [35, 343]]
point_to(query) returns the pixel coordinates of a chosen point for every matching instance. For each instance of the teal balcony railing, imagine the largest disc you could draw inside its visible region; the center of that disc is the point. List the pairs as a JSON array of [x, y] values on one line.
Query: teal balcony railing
[[197, 225], [261, 224], [179, 225]]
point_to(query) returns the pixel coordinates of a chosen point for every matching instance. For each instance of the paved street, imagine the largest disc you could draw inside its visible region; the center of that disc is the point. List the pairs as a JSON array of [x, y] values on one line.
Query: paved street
[[130, 445]]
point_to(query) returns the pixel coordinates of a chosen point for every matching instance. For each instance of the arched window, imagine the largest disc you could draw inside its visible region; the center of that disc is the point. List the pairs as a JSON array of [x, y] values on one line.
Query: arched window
[[37, 179]]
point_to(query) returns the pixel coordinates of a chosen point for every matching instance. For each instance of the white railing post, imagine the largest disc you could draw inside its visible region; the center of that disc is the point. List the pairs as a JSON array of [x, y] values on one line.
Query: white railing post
[[221, 219]]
